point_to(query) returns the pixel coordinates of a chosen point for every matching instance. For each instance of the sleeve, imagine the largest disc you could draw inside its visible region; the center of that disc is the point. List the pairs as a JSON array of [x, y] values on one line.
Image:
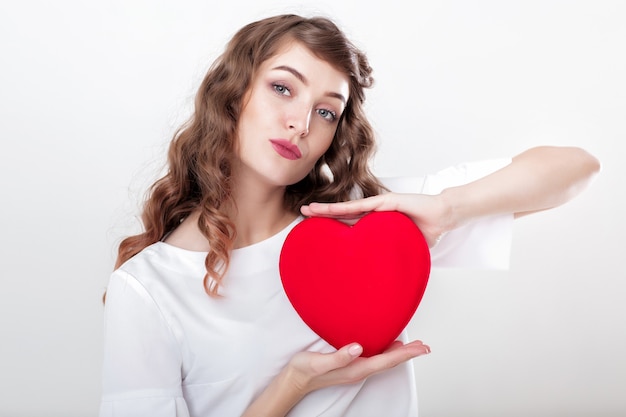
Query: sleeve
[[142, 360], [484, 243]]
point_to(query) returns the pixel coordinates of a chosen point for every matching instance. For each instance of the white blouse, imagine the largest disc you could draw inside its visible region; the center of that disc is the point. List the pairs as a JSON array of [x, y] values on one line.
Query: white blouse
[[171, 350]]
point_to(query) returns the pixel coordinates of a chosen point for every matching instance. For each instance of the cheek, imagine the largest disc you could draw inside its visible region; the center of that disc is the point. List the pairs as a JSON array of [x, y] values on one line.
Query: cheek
[[322, 152], [325, 145], [323, 140], [247, 129]]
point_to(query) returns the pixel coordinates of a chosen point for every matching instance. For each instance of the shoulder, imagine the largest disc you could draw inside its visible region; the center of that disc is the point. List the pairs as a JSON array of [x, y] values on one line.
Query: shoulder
[[161, 267], [135, 274], [148, 258], [163, 256]]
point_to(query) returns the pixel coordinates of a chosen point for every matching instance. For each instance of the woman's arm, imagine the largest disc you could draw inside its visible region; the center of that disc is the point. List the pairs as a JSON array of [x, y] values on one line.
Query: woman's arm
[[309, 371], [141, 370], [537, 179]]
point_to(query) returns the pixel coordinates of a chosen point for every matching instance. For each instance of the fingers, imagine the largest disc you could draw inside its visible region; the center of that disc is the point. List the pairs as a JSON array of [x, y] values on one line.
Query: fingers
[[397, 354], [361, 368], [413, 349], [348, 209], [336, 210]]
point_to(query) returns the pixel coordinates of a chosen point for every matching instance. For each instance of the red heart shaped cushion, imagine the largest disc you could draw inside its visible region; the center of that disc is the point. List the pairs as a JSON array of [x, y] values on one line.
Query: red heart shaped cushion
[[359, 283]]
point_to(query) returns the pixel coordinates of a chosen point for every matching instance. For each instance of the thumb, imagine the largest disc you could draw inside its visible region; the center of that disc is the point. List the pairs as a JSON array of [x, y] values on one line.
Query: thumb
[[347, 354], [339, 359], [354, 350]]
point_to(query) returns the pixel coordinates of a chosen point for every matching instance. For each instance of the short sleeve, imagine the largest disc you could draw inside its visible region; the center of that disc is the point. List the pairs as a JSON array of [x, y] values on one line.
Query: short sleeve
[[484, 243], [142, 360]]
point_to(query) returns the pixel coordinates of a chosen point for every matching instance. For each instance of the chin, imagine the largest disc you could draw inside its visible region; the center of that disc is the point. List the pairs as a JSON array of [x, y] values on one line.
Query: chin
[[287, 179]]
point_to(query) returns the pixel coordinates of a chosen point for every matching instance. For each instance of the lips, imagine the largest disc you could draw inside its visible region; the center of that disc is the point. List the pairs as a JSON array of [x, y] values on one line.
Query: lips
[[286, 149]]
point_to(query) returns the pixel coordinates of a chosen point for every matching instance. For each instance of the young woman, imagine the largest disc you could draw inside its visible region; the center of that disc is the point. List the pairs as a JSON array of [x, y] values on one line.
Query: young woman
[[197, 323]]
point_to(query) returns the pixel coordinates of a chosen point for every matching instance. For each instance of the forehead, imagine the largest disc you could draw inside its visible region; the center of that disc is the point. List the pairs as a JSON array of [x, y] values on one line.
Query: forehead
[[295, 55]]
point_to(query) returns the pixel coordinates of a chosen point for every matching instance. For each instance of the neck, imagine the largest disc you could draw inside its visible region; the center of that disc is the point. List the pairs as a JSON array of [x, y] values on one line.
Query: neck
[[260, 212]]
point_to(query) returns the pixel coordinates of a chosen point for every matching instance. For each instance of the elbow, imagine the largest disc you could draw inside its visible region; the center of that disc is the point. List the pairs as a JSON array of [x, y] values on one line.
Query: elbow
[[576, 160], [588, 164], [594, 164], [571, 168], [584, 167]]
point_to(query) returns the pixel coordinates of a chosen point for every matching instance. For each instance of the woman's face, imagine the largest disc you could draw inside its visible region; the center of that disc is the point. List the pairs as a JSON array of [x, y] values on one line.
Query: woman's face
[[289, 116]]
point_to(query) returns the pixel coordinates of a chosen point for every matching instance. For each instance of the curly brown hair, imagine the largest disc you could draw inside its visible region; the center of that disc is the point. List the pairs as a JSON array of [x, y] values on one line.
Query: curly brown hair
[[202, 150]]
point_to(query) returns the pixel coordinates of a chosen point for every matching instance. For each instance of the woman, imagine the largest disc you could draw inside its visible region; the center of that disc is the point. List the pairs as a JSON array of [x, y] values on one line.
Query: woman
[[197, 323]]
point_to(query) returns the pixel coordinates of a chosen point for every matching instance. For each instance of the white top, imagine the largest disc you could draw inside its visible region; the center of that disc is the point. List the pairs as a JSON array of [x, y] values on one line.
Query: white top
[[171, 350]]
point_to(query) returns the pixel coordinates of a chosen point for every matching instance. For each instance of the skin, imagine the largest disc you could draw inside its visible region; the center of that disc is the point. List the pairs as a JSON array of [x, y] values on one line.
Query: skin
[[538, 179], [298, 97], [293, 96]]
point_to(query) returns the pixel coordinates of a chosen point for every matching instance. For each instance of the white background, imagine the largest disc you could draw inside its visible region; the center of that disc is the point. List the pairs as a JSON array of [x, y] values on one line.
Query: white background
[[91, 92]]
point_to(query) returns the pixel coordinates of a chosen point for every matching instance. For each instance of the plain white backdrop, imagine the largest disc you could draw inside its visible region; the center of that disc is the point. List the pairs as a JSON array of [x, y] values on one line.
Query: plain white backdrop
[[91, 92]]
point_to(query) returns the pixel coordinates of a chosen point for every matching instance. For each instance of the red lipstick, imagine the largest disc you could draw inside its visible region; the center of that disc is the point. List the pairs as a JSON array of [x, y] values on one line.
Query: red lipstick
[[286, 149]]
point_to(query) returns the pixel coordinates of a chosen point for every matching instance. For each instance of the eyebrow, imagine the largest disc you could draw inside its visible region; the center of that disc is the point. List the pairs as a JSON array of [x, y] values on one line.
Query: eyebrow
[[305, 81]]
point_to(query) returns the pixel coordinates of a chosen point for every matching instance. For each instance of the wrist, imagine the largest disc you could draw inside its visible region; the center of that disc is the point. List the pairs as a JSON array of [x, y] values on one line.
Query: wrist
[[451, 213], [280, 396], [294, 380]]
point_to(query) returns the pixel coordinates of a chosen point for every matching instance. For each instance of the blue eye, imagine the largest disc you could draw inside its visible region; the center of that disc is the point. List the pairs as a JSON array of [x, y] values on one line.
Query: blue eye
[[327, 115], [281, 89]]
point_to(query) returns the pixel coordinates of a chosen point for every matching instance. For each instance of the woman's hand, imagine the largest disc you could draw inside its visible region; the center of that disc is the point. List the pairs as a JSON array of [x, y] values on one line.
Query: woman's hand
[[310, 371], [537, 179], [429, 212]]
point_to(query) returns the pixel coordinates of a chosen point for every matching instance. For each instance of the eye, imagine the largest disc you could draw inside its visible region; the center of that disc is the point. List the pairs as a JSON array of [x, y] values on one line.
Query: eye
[[331, 116], [281, 89]]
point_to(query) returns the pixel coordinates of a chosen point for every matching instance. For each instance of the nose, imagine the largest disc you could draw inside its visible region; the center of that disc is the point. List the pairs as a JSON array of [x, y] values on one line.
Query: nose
[[299, 121]]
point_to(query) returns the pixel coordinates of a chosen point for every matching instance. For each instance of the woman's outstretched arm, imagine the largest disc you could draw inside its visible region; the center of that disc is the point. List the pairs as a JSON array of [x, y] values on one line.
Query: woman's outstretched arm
[[537, 179]]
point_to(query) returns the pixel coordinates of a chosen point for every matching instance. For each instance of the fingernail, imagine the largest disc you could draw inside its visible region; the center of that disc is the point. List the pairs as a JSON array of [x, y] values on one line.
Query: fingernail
[[355, 350]]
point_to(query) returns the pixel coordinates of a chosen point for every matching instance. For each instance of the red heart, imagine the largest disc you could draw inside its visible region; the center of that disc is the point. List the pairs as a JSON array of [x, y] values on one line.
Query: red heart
[[359, 283]]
